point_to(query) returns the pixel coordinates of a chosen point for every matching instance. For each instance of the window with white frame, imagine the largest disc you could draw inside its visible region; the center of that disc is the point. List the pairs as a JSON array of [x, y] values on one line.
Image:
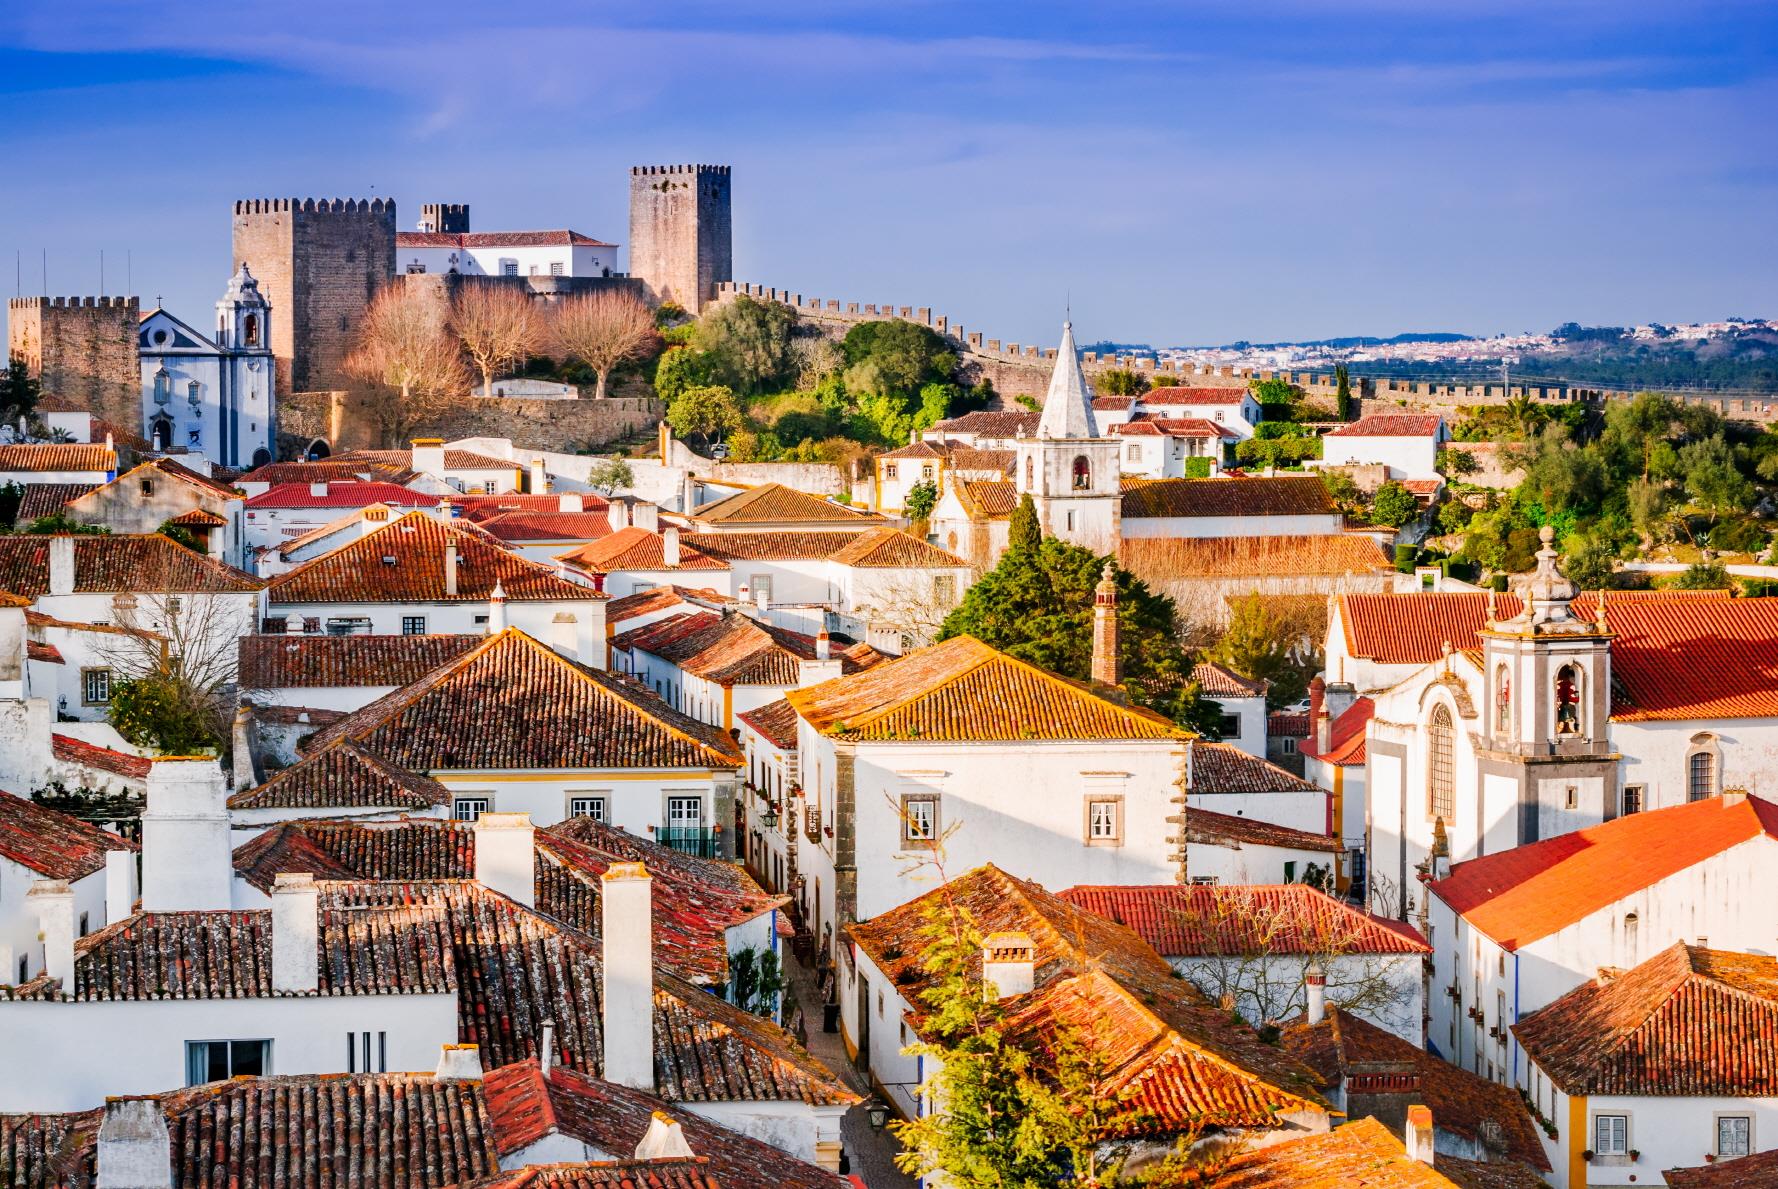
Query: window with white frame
[[587, 805], [1734, 1135], [555, 268], [413, 625], [919, 819], [468, 809], [95, 686], [1633, 795], [1105, 821], [219, 1060], [1611, 1135]]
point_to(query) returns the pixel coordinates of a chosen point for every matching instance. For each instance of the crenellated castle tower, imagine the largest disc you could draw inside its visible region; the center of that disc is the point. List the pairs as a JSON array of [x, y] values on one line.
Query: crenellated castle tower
[[681, 232], [83, 349]]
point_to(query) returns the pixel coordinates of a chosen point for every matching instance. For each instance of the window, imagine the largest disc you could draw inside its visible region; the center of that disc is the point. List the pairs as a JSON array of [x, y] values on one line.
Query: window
[[1290, 745], [95, 687], [1700, 775], [367, 1052], [593, 807], [1105, 821], [1503, 702], [762, 587], [1632, 799], [467, 809], [919, 819], [191, 393], [533, 270], [1611, 1135], [1134, 453], [1571, 798], [1083, 473], [416, 268], [1440, 764], [163, 387], [219, 1060], [147, 486], [509, 267], [1070, 519], [1219, 414], [1631, 923], [555, 268], [1290, 871], [1568, 681], [413, 625], [1734, 1135], [926, 471], [349, 625], [250, 330], [944, 590], [85, 923], [888, 470], [1228, 725]]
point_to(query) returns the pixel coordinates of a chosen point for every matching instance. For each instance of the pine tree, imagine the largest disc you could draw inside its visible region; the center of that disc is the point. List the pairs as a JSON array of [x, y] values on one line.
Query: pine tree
[[1023, 533], [1343, 394]]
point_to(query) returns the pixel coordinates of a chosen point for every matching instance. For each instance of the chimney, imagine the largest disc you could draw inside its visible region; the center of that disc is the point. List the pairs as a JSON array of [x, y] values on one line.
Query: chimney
[[245, 777], [626, 926], [428, 457], [318, 490], [646, 516], [670, 547], [187, 864], [1733, 796], [664, 1140], [134, 1150], [497, 609], [120, 885], [293, 624], [1105, 633], [1315, 984], [450, 567], [823, 645], [61, 565], [570, 501], [1418, 1139], [546, 1049], [296, 933], [506, 856], [618, 513], [539, 480], [459, 1063], [109, 444], [1009, 965], [53, 901], [1339, 698], [760, 600], [446, 509], [1319, 719]]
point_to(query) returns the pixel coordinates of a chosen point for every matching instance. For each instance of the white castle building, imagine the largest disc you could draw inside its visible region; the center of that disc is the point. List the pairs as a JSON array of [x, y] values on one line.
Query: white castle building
[[212, 396]]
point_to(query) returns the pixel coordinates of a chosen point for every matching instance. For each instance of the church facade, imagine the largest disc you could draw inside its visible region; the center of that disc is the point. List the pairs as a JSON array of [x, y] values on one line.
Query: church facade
[[212, 396]]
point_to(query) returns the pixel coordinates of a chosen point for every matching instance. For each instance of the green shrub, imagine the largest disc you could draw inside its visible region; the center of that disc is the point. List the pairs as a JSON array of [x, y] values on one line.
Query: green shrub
[[1197, 467]]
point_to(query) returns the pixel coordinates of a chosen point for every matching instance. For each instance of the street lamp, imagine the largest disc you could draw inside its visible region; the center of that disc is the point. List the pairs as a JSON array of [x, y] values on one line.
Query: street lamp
[[768, 817], [878, 1114]]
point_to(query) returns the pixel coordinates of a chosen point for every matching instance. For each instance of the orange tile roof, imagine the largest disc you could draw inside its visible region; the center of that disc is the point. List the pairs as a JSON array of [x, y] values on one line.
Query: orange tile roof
[[276, 661], [989, 499], [106, 759], [662, 598], [775, 722], [961, 690], [1226, 829], [47, 499], [1219, 681], [1177, 427], [992, 423], [1688, 1022], [1759, 1171], [1345, 737], [735, 649], [1163, 559], [358, 572], [548, 526], [891, 548], [1361, 1155], [454, 460], [1225, 768], [53, 844], [1529, 892], [637, 549], [327, 470], [1390, 425], [78, 456], [198, 518], [344, 776], [350, 493], [483, 507], [113, 563], [1215, 919], [1286, 495], [1182, 394], [774, 503]]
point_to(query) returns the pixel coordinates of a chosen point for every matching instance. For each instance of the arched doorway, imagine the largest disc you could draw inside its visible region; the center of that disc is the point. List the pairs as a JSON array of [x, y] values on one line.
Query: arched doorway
[[317, 449]]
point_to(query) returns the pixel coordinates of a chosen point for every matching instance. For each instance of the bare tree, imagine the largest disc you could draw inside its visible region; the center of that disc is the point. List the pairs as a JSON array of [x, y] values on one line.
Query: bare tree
[[603, 330], [406, 352], [498, 326], [909, 604]]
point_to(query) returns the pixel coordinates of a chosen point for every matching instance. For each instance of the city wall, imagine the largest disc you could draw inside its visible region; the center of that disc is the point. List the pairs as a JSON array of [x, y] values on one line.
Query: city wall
[[341, 420], [84, 350]]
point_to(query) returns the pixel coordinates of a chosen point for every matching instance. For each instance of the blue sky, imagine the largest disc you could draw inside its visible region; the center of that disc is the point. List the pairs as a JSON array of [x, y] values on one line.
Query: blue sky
[[1179, 172]]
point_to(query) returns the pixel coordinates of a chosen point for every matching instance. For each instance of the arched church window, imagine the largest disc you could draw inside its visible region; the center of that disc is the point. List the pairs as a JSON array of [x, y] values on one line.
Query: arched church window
[[1441, 738], [250, 330], [1503, 701], [1700, 775], [1030, 473], [1568, 682], [1083, 473], [162, 433], [163, 386]]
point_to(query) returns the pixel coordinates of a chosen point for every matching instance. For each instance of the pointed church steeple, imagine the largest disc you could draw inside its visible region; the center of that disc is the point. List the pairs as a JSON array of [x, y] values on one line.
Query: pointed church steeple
[[1068, 406]]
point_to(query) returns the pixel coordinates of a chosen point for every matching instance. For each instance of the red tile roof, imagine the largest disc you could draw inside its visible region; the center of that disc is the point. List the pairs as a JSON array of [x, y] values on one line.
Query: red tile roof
[[346, 494], [1287, 726], [112, 563], [1688, 1022], [735, 649], [1179, 394], [1166, 559], [78, 751], [1225, 829], [48, 653], [990, 499], [775, 722], [1391, 425], [512, 703], [328, 470], [1361, 1155], [774, 503], [53, 844], [663, 598], [1225, 768], [62, 457], [992, 423], [1174, 427], [665, 1173], [963, 690], [637, 549], [344, 776], [277, 661], [1345, 737], [1759, 1171], [890, 548], [358, 572], [484, 507], [1205, 919], [1219, 681], [47, 499], [548, 526], [454, 460], [497, 239], [1529, 892], [197, 518], [1286, 495]]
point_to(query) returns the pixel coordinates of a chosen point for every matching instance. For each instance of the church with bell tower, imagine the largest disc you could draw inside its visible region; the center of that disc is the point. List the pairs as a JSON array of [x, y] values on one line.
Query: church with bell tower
[[212, 397], [1068, 467]]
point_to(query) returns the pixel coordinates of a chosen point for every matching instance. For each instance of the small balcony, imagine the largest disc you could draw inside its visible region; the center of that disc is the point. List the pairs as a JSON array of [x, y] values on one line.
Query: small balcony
[[812, 822], [703, 842]]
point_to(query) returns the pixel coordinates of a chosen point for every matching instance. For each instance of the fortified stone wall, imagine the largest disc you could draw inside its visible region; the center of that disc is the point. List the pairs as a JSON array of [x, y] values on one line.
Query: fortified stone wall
[[319, 263], [443, 285], [681, 232], [84, 350], [339, 419]]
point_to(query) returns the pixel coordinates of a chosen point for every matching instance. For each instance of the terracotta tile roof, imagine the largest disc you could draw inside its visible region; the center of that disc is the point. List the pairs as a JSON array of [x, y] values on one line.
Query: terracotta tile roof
[[1494, 1174], [373, 514], [517, 968], [1463, 1103], [112, 563], [53, 844], [1180, 394], [548, 526], [454, 460], [81, 456], [775, 721], [1225, 768], [1286, 495], [988, 499], [770, 545], [1390, 425], [344, 776], [1162, 559], [1220, 681], [78, 751], [1361, 1155], [890, 548], [1210, 919], [1287, 726], [1174, 427], [335, 470], [48, 499], [637, 549], [1520, 895], [1112, 404], [527, 1107], [497, 239], [1688, 1022], [197, 518], [48, 653], [1426, 487], [992, 423], [662, 598], [969, 459], [1169, 1055], [358, 573], [774, 503], [341, 494], [735, 649], [1759, 1171], [919, 450], [297, 716], [961, 690], [676, 1173], [1225, 829], [399, 950], [175, 470], [276, 661], [1345, 737], [512, 703], [483, 507]]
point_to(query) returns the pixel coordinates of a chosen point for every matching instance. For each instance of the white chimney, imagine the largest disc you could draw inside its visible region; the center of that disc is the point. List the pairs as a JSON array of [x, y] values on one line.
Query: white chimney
[[1009, 965], [427, 456], [318, 490], [187, 864], [670, 547], [626, 925], [120, 885], [61, 565], [759, 597], [823, 645], [459, 1063], [109, 444], [664, 1140], [450, 567], [539, 480], [1418, 1139], [135, 1151], [53, 901], [506, 856], [497, 609], [646, 516], [293, 624], [546, 1048], [618, 513], [296, 933], [1315, 985], [570, 501]]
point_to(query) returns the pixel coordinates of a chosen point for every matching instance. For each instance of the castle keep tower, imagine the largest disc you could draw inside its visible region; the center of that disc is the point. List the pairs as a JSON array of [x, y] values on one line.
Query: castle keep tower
[[318, 262], [83, 349], [681, 232], [445, 218]]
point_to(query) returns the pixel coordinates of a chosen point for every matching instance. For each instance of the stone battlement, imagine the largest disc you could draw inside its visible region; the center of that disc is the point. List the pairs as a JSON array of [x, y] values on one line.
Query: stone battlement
[[319, 206], [648, 170], [73, 303]]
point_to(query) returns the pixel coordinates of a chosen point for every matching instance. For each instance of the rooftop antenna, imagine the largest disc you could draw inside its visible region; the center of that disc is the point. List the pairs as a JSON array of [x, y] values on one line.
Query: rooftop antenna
[[129, 271], [101, 270]]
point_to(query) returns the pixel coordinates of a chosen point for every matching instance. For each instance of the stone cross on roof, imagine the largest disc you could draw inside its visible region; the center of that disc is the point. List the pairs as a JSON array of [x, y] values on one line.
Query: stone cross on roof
[[1068, 406]]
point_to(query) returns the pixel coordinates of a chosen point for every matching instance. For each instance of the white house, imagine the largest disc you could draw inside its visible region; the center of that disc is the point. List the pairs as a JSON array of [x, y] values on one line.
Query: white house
[[1230, 782], [213, 397], [1162, 447], [504, 253], [67, 463], [1243, 705], [1406, 445], [459, 470], [163, 491], [1224, 848], [276, 517], [1334, 758], [768, 741], [40, 844], [935, 462], [1234, 409]]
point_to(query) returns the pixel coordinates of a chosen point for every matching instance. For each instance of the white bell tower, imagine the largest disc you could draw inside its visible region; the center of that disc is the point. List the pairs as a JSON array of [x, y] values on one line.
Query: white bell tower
[[244, 333], [1069, 470]]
